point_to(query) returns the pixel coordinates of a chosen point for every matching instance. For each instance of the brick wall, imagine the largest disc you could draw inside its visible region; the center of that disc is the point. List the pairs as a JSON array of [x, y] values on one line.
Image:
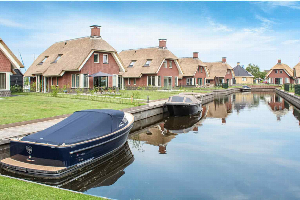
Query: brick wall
[[5, 65], [5, 93], [282, 75]]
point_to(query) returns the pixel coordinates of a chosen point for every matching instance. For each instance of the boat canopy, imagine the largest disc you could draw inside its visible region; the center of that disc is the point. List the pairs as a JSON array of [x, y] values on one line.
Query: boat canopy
[[80, 126], [190, 99]]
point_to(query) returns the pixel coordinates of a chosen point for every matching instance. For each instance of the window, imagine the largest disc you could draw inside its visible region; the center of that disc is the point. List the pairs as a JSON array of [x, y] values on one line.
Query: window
[[51, 80], [189, 81], [170, 64], [43, 60], [85, 80], [151, 80], [105, 58], [96, 58], [132, 63], [128, 81], [228, 71], [57, 81], [287, 80], [276, 71], [176, 81], [159, 81], [2, 81], [75, 80], [165, 64], [280, 71], [147, 64], [177, 99], [201, 69], [244, 79], [134, 81], [57, 58]]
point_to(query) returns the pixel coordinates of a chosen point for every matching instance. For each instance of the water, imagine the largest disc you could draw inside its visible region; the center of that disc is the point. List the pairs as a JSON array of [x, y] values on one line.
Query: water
[[243, 146]]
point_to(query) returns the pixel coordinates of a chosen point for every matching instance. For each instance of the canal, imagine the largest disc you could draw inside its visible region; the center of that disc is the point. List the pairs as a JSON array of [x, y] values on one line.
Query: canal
[[242, 146]]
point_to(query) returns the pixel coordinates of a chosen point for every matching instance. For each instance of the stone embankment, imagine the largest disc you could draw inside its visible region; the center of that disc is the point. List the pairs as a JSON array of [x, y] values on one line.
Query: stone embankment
[[290, 97]]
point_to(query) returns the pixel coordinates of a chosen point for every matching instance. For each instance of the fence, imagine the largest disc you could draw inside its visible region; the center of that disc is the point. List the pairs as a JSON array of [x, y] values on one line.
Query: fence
[[297, 89]]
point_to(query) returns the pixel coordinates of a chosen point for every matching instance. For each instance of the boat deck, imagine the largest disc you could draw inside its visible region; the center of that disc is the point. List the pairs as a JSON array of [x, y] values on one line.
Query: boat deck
[[15, 163]]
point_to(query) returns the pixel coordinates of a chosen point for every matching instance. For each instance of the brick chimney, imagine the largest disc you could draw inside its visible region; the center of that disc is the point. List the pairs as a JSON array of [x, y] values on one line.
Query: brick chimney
[[162, 43], [238, 63], [95, 30], [195, 54], [279, 61], [223, 59]]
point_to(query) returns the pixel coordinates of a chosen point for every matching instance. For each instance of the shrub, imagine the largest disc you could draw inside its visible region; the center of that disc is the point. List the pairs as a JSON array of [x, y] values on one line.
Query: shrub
[[16, 88], [54, 91]]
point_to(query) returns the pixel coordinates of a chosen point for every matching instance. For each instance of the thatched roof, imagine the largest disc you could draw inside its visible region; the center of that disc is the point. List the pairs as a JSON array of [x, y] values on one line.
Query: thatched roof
[[285, 67], [190, 66], [217, 69], [74, 53], [297, 70], [155, 54], [10, 55]]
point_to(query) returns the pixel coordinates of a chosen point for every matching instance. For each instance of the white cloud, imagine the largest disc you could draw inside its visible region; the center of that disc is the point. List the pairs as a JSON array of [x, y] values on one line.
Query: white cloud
[[10, 23], [269, 6], [288, 42]]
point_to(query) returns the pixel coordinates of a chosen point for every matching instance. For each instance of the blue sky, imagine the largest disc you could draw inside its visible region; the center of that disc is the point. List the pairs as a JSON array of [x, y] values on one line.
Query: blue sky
[[249, 32]]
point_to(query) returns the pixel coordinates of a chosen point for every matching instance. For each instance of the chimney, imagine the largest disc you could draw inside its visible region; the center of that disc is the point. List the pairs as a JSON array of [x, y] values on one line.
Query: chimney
[[238, 63], [162, 43], [223, 59], [279, 61], [195, 54], [95, 31]]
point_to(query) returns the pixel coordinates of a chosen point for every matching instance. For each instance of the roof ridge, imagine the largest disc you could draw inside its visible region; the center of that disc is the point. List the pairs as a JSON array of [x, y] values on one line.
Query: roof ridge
[[78, 39], [143, 48]]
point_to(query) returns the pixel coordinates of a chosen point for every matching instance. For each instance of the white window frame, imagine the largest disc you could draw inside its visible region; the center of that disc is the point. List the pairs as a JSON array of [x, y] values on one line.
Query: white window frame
[[57, 58], [147, 65], [106, 59], [151, 80], [132, 63], [128, 81], [98, 57], [201, 69], [165, 64], [56, 81], [75, 81], [45, 58], [276, 71], [244, 79], [280, 71], [5, 82], [170, 65], [134, 81], [88, 80]]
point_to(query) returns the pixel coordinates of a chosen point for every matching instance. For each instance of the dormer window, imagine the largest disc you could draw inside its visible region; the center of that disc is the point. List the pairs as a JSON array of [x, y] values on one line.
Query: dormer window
[[147, 63], [57, 58], [43, 60], [132, 63]]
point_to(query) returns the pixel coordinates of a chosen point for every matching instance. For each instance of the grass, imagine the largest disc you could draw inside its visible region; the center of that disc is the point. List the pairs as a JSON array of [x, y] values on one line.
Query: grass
[[16, 189], [29, 107]]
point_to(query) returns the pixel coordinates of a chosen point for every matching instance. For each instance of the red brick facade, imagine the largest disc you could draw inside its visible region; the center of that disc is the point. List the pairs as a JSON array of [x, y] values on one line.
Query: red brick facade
[[282, 75], [90, 67], [163, 72], [5, 65], [200, 73]]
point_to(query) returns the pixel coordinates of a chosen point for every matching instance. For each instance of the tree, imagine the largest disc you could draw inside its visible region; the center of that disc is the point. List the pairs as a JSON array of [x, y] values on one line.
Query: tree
[[254, 70]]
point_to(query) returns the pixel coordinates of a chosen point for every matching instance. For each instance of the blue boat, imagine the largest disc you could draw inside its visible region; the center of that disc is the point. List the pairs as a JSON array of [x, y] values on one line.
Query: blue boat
[[84, 137]]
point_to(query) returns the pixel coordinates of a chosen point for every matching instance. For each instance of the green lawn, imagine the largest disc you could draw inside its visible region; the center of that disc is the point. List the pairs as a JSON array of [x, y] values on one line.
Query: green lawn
[[16, 189], [29, 107]]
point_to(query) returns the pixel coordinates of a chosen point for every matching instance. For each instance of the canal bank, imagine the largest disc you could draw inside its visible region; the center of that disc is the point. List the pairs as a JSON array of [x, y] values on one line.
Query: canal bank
[[291, 97]]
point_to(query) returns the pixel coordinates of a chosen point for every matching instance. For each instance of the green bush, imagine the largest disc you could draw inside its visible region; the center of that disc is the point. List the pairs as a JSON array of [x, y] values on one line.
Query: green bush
[[54, 91], [16, 89]]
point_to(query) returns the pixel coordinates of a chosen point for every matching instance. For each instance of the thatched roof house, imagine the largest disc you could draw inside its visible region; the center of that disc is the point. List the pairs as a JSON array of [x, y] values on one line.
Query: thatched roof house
[[135, 60], [190, 66], [15, 63], [72, 55], [217, 69], [297, 71], [280, 74]]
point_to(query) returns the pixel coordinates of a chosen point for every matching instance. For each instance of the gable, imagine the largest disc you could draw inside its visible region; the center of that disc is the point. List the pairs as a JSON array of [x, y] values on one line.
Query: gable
[[10, 56]]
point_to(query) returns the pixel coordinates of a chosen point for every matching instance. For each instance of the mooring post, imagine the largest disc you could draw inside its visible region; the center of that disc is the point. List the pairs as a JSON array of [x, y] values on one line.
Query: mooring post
[[147, 99]]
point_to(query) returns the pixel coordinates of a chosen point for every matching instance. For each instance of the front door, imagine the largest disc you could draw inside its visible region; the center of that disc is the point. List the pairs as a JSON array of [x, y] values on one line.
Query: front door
[[168, 82], [199, 81], [277, 81]]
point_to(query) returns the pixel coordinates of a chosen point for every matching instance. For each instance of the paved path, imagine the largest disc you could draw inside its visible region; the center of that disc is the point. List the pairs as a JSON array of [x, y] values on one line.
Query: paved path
[[18, 131]]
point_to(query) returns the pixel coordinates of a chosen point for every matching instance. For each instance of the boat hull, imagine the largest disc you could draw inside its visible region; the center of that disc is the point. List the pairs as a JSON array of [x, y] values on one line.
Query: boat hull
[[64, 159], [183, 109]]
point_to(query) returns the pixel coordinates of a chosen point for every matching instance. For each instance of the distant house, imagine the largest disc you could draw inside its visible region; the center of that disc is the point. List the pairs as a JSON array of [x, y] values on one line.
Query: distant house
[[194, 71], [241, 75], [219, 72], [296, 73], [70, 63], [151, 67], [8, 63], [17, 78], [280, 74]]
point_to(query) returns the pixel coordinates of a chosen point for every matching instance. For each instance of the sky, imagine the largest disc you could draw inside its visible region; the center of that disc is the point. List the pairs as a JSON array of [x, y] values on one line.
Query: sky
[[246, 32]]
